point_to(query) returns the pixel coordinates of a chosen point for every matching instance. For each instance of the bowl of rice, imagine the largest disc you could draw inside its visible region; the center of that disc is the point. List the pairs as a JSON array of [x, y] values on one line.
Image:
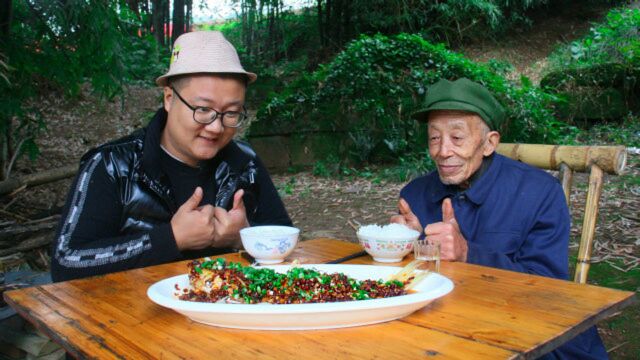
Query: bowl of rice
[[387, 243]]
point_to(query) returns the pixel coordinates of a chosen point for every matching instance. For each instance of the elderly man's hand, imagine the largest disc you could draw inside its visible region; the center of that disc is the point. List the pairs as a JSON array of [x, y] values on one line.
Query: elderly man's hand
[[192, 224], [453, 245], [406, 216], [228, 223]]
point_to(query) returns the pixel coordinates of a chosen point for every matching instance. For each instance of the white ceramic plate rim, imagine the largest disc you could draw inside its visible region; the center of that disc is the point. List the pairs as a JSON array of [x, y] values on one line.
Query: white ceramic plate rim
[[160, 294]]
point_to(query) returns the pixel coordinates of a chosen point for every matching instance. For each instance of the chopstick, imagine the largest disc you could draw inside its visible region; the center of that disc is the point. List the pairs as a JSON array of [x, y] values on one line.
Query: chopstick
[[347, 258], [245, 255]]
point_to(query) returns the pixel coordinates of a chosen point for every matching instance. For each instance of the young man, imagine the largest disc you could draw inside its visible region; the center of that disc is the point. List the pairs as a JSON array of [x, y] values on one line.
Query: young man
[[484, 208], [181, 187]]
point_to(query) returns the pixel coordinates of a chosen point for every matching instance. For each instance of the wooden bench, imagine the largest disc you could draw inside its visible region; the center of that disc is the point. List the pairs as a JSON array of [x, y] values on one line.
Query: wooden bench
[[596, 160]]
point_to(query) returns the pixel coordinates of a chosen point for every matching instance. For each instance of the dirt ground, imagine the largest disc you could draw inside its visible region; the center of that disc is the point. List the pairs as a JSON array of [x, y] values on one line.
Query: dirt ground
[[324, 207]]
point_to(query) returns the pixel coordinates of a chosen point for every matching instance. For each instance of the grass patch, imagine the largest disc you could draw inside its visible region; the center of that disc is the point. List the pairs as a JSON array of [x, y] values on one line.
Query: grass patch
[[406, 168], [622, 330]]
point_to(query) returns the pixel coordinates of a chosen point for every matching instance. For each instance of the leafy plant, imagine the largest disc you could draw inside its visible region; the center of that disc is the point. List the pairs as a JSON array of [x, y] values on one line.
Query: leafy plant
[[599, 75], [287, 188], [58, 46], [627, 133], [370, 89], [617, 40], [330, 166], [408, 167]]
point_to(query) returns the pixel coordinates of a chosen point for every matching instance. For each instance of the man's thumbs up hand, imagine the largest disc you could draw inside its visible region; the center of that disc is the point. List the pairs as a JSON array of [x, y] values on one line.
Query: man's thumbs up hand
[[453, 245], [406, 216], [228, 223], [192, 224], [193, 202], [448, 215]]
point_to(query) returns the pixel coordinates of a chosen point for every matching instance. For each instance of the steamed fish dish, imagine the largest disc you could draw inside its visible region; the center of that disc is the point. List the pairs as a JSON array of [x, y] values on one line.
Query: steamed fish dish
[[221, 281]]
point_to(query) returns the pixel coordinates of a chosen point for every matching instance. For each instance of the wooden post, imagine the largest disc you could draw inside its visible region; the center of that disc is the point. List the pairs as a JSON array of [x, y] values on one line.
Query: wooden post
[[589, 224], [611, 159], [566, 178]]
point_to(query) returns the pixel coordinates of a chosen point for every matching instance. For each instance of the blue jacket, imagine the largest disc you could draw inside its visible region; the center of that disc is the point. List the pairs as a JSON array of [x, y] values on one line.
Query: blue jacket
[[513, 217]]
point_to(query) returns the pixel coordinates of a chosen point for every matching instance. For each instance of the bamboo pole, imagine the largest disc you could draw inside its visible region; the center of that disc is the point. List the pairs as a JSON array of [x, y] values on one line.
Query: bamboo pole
[[566, 178], [611, 159], [589, 224]]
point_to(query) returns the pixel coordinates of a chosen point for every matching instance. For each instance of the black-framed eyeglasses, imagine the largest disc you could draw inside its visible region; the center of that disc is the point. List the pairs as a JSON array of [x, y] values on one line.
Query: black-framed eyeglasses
[[204, 115]]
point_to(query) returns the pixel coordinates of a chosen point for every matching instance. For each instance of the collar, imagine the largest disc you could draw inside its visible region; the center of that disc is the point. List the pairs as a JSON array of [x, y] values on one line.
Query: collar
[[151, 155], [235, 155], [481, 183]]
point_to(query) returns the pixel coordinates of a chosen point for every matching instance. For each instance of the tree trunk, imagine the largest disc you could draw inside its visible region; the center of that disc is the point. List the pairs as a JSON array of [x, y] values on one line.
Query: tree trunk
[[157, 16], [282, 50], [346, 22], [7, 149], [134, 6], [38, 178], [187, 20], [29, 244], [5, 33], [320, 27], [3, 152], [327, 23], [337, 22], [248, 23], [244, 18], [166, 22], [271, 31], [146, 10], [5, 18], [178, 20]]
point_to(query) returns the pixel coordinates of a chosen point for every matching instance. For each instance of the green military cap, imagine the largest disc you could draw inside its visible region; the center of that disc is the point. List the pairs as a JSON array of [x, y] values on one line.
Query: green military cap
[[462, 94]]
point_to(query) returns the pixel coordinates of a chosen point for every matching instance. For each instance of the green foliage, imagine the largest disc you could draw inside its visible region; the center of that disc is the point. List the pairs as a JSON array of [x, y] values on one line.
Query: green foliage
[[627, 133], [266, 33], [275, 65], [626, 324], [58, 46], [616, 40], [408, 167], [404, 169], [599, 75], [370, 89], [458, 19], [326, 168], [287, 188]]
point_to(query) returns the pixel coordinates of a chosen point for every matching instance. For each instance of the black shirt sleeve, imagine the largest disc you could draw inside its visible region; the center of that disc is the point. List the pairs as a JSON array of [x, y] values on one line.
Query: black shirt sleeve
[[270, 209], [89, 241]]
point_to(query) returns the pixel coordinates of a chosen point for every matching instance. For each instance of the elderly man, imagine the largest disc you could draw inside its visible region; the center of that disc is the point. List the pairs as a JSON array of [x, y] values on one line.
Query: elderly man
[[179, 188], [484, 208]]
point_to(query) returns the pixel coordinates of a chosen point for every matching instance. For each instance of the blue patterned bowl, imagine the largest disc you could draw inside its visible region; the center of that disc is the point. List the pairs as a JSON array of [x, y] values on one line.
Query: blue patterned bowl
[[269, 244]]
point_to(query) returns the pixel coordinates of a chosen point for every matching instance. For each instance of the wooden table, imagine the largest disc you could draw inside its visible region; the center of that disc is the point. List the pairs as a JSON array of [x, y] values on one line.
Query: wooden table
[[490, 314]]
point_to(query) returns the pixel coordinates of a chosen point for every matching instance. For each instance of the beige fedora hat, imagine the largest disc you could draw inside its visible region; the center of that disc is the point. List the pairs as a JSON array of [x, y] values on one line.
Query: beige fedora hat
[[203, 52]]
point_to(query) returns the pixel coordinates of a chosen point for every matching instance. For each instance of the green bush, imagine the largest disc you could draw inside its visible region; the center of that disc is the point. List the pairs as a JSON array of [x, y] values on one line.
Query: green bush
[[370, 89], [599, 75], [627, 133], [616, 40]]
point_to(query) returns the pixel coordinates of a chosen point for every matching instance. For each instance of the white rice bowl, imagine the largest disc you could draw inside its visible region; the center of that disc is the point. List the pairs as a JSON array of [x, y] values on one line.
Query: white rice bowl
[[387, 243]]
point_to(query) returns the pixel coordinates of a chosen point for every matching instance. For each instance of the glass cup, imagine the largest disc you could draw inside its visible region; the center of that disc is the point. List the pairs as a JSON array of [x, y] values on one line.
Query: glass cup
[[430, 253]]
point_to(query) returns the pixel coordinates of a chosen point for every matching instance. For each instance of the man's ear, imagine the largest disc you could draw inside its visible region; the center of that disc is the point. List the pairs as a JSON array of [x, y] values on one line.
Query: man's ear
[[491, 143], [167, 98]]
